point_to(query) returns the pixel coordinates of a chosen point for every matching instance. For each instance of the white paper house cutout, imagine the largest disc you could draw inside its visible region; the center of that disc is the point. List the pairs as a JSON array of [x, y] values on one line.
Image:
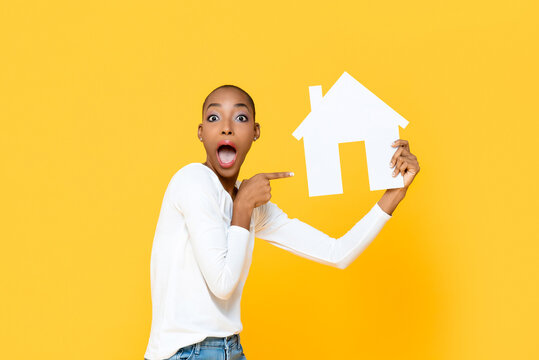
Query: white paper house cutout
[[348, 112]]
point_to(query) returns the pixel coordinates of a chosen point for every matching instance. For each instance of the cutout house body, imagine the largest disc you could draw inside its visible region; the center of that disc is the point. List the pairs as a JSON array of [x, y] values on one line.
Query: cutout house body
[[348, 112]]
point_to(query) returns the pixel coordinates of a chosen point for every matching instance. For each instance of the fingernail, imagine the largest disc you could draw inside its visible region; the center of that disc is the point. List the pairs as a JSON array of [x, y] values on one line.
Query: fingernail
[[390, 164], [291, 174]]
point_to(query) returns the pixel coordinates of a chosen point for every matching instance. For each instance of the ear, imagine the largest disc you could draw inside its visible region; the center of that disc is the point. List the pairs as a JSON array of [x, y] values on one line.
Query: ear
[[199, 131], [257, 130]]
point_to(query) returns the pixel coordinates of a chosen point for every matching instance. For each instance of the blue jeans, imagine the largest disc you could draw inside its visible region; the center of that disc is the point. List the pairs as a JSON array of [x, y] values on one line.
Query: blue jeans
[[212, 348]]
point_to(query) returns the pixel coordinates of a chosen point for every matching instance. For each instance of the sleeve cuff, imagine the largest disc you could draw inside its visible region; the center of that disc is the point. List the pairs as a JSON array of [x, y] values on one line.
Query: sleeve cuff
[[380, 213], [239, 231]]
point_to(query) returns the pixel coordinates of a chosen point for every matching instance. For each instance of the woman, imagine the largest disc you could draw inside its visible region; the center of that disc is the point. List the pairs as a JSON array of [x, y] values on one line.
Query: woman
[[204, 238]]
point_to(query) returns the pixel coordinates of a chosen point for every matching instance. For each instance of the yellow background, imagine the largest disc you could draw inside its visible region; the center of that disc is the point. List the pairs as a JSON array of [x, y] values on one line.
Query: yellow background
[[100, 103]]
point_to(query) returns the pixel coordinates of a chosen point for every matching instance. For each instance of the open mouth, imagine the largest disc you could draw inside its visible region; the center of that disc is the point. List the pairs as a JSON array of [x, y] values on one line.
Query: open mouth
[[226, 155]]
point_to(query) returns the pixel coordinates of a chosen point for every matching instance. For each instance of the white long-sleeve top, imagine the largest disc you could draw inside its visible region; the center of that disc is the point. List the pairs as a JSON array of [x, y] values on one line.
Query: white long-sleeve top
[[199, 262]]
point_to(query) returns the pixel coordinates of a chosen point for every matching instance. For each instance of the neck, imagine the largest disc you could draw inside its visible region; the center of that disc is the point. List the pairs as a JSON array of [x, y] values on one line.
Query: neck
[[227, 182]]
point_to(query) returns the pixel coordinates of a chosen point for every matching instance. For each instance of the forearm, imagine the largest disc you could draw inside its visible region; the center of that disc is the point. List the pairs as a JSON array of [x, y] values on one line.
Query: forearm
[[306, 241], [241, 214], [391, 198]]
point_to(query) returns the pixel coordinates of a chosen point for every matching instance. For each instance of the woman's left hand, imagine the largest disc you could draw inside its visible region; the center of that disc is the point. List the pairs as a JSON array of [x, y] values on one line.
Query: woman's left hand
[[404, 162]]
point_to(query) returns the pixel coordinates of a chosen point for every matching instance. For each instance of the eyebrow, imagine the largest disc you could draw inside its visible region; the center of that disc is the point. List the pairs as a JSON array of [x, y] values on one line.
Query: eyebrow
[[235, 105]]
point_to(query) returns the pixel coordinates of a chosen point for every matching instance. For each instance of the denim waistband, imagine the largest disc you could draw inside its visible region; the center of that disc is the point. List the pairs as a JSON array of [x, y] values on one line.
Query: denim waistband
[[213, 341]]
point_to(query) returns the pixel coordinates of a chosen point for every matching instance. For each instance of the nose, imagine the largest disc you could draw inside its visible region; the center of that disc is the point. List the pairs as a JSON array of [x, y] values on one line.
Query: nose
[[227, 127]]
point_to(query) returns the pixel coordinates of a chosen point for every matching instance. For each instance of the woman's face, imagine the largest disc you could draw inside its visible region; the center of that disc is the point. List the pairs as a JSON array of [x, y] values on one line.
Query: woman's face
[[227, 119]]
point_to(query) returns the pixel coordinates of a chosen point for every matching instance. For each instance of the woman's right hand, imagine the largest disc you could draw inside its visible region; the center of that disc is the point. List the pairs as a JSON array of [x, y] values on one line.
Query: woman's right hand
[[256, 191]]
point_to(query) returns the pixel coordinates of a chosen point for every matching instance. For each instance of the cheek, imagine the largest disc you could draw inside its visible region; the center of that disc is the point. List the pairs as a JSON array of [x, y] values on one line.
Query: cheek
[[246, 145], [211, 131], [244, 133]]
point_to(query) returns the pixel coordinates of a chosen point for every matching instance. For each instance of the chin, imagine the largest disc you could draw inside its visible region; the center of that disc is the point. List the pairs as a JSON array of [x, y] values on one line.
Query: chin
[[228, 171]]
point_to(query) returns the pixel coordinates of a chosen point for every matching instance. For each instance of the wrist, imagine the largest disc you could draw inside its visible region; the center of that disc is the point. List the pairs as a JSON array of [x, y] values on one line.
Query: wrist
[[242, 205], [397, 194], [241, 214], [391, 198]]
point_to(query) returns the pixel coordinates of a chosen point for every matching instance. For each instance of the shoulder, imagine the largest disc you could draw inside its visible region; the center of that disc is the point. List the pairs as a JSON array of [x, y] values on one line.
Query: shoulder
[[193, 177], [193, 172]]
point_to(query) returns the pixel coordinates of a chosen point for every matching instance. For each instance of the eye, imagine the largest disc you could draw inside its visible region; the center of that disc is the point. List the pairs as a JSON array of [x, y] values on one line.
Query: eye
[[242, 118], [212, 118]]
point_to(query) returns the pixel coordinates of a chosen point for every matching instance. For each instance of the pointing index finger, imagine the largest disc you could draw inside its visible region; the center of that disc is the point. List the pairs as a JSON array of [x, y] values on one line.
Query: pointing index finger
[[278, 175]]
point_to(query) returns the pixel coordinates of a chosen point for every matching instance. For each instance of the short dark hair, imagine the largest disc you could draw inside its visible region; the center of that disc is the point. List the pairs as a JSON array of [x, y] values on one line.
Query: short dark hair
[[249, 98]]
